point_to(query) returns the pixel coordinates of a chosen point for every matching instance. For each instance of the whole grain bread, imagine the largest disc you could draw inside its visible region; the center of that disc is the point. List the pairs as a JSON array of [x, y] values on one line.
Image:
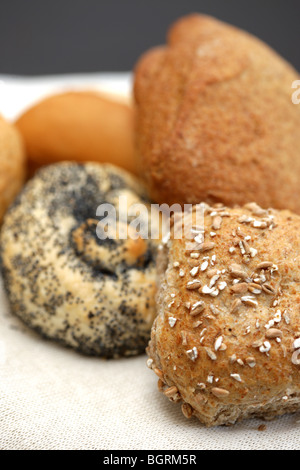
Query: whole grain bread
[[226, 341], [215, 118]]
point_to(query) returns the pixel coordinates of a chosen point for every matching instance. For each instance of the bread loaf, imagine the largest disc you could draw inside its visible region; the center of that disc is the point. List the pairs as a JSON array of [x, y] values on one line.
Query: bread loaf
[[215, 119]]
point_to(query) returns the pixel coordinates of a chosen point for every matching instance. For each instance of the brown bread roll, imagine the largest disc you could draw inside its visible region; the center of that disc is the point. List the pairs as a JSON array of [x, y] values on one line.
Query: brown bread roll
[[226, 341], [79, 126], [215, 118]]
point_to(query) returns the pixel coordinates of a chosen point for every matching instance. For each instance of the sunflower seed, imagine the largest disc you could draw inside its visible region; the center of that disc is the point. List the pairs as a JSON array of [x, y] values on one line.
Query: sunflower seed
[[273, 333], [193, 285], [187, 410], [248, 300], [240, 288], [237, 271], [268, 289], [235, 306], [211, 354], [171, 391], [197, 308], [217, 222], [265, 265], [219, 392], [206, 247], [296, 358]]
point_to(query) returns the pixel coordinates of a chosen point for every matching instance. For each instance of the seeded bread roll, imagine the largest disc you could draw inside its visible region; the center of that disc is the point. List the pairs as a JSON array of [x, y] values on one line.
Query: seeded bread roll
[[62, 280], [215, 119], [226, 341], [12, 164]]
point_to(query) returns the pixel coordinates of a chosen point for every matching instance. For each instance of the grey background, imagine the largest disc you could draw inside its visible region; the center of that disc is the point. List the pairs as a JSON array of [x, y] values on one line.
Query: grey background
[[47, 37]]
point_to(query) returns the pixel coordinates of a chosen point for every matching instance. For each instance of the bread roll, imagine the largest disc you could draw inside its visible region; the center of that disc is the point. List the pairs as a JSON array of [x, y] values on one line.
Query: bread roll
[[12, 164], [215, 119], [226, 341], [94, 295], [79, 126]]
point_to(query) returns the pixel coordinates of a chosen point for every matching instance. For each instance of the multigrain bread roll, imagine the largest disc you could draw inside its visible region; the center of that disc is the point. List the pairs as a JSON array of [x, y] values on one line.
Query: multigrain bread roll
[[95, 295], [226, 341], [215, 119], [12, 164], [79, 126]]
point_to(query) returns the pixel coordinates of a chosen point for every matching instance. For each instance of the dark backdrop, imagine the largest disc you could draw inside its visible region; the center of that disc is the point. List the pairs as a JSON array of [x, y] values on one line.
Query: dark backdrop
[[45, 37]]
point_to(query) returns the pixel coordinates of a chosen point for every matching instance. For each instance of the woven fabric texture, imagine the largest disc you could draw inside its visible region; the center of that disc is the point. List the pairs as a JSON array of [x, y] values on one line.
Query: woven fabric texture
[[54, 398]]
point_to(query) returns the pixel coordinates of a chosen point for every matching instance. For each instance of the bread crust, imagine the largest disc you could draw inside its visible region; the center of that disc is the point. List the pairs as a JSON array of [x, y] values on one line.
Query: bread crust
[[79, 126], [229, 348], [12, 164], [215, 119]]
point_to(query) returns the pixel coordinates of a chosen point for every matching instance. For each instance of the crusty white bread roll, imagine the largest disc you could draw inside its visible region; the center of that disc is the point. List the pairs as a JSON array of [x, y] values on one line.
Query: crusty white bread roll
[[79, 126]]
